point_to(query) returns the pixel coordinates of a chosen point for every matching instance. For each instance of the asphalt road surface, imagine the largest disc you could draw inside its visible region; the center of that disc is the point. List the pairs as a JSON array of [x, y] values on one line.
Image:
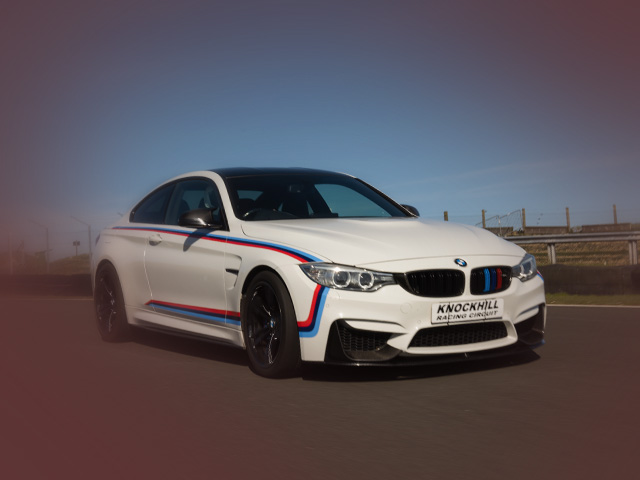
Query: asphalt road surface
[[73, 407]]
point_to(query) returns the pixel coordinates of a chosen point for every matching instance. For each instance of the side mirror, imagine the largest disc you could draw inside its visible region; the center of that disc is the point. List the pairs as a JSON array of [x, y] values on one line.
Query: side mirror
[[412, 210], [199, 218]]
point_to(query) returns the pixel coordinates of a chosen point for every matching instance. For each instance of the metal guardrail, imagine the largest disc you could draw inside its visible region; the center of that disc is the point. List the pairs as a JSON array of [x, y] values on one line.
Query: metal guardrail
[[551, 241]]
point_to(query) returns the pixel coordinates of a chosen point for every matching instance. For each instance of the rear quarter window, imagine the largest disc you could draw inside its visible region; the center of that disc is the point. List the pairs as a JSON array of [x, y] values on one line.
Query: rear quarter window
[[153, 208]]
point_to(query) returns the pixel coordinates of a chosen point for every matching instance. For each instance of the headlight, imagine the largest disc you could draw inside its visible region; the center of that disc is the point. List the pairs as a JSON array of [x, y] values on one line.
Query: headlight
[[526, 269], [346, 278]]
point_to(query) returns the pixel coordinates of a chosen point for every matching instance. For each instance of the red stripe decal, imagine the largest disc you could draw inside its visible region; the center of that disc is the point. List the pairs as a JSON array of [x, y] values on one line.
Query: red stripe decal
[[197, 309], [267, 247], [219, 239], [312, 311]]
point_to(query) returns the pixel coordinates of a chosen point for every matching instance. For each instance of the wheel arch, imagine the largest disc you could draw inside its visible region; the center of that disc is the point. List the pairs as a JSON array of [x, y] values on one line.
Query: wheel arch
[[255, 271], [115, 303], [101, 264], [265, 268]]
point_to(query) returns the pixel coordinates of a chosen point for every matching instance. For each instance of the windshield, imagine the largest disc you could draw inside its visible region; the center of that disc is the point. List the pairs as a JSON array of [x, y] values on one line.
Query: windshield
[[277, 197]]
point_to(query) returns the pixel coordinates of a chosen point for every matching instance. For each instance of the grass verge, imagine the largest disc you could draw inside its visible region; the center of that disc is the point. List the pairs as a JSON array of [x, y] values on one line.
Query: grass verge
[[567, 299]]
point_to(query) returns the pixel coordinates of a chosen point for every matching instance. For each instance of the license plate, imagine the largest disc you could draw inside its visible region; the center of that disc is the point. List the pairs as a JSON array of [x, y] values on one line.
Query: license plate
[[472, 311]]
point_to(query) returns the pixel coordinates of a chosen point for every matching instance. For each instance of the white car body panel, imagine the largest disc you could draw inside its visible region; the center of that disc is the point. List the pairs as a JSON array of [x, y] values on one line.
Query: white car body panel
[[179, 278]]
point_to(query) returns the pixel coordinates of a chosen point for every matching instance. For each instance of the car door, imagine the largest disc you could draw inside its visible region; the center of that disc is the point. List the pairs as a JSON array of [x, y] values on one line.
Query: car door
[[131, 244], [185, 266]]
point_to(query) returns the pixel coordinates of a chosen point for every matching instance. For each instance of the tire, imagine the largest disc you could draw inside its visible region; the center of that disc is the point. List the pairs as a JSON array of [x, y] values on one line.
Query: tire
[[109, 305], [270, 328]]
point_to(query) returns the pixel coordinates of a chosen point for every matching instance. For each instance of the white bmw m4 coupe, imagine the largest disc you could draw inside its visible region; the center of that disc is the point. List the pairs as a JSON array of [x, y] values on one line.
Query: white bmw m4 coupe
[[299, 265]]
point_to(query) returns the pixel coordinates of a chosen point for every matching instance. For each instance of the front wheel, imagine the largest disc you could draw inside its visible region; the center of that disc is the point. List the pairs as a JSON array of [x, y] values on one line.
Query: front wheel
[[270, 328], [109, 304]]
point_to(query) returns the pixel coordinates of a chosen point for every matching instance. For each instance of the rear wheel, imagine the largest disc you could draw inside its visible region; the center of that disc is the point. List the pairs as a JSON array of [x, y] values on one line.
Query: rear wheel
[[270, 328], [109, 304]]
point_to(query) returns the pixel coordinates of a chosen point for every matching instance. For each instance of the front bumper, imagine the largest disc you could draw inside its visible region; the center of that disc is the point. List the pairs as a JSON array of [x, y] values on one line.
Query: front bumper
[[351, 346], [392, 325]]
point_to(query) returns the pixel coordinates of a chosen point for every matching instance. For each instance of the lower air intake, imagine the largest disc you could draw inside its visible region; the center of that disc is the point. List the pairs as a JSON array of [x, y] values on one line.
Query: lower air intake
[[364, 345], [459, 334]]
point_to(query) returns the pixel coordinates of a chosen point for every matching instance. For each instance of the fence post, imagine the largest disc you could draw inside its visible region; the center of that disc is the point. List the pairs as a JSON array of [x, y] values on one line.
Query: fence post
[[633, 252], [615, 215], [446, 216], [551, 251], [484, 222], [568, 221], [524, 222]]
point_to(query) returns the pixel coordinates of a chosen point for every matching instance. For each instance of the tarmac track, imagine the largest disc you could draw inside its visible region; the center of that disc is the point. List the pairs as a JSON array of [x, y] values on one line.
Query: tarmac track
[[73, 407]]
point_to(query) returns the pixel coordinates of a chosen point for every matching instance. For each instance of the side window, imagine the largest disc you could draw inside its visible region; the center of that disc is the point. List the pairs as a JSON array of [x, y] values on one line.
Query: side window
[[152, 209], [191, 195]]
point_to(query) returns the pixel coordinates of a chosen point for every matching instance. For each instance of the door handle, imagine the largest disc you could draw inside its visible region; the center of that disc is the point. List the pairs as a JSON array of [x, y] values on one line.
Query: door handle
[[155, 239]]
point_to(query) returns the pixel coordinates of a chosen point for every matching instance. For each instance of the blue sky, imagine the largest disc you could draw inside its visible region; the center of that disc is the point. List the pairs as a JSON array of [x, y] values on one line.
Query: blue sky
[[448, 105]]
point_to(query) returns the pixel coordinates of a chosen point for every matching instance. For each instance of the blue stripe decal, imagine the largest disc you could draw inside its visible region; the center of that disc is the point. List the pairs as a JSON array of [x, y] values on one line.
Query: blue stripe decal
[[315, 325], [487, 280], [275, 246], [238, 241], [191, 313]]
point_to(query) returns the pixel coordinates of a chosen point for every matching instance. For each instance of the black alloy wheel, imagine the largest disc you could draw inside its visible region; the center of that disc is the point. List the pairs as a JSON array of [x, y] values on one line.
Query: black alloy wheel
[[270, 328], [109, 304]]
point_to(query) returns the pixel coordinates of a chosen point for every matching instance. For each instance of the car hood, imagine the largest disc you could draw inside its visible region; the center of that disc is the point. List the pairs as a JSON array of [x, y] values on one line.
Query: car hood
[[364, 241]]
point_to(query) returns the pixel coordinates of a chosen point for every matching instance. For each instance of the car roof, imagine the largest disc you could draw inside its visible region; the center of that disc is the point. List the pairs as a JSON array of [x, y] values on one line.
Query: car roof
[[247, 171]]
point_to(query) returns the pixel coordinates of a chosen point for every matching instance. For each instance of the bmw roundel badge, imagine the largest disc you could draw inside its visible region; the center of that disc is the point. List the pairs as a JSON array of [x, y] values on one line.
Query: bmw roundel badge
[[460, 262]]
